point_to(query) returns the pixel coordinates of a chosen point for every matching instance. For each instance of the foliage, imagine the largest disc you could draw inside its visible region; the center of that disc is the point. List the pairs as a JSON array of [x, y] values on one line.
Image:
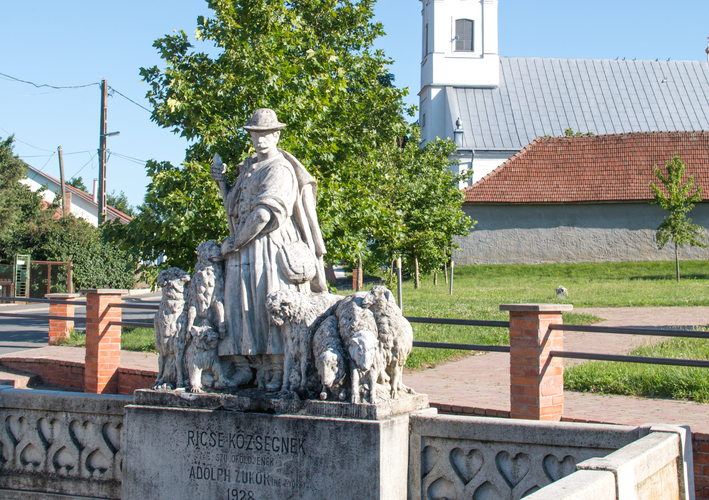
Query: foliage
[[20, 208], [120, 202], [78, 183], [427, 203], [635, 379], [313, 63], [569, 132], [678, 199], [27, 227]]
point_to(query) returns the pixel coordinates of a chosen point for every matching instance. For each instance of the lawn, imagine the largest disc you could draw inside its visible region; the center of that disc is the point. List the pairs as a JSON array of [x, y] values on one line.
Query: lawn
[[634, 379]]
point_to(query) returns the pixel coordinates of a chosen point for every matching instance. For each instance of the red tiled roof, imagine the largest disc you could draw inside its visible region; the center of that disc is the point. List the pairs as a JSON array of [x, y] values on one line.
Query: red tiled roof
[[616, 167]]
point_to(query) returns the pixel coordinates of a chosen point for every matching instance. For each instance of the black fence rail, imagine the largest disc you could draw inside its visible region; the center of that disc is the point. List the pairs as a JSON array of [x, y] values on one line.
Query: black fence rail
[[660, 332]]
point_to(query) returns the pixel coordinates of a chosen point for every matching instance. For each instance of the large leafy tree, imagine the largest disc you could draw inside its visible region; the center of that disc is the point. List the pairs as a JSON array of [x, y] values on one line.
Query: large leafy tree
[[312, 61], [678, 199]]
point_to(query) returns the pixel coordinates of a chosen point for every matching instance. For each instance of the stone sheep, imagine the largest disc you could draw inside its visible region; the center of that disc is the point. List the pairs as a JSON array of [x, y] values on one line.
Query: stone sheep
[[358, 331], [330, 360], [299, 315], [169, 326], [395, 334]]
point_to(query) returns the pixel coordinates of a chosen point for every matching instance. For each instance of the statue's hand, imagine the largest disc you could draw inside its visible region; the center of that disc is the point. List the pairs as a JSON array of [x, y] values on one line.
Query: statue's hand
[[228, 245], [218, 169]]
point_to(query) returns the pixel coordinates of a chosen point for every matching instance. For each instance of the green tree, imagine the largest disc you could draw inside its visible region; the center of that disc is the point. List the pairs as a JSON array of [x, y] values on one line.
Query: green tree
[[312, 61], [427, 203], [677, 198], [120, 202], [78, 183]]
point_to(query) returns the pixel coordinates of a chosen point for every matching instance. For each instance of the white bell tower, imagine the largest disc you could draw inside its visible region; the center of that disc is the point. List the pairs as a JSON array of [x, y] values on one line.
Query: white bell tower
[[460, 49]]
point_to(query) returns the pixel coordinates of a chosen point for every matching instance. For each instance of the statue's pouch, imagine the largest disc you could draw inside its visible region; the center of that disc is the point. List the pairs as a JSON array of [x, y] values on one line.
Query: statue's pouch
[[297, 262]]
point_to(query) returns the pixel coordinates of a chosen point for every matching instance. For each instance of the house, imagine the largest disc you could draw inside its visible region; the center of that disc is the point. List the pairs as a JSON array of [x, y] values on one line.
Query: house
[[81, 204], [581, 199], [494, 106]]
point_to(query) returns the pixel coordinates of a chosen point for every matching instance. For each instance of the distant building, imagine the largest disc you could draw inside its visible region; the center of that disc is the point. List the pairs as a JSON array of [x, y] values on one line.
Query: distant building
[[581, 199], [494, 106], [82, 204]]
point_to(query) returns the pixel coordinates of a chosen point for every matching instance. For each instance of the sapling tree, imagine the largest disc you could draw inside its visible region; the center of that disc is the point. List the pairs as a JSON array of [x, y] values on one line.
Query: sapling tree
[[678, 198]]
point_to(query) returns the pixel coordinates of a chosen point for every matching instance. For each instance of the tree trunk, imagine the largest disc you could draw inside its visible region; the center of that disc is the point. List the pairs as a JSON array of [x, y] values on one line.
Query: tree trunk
[[417, 283], [359, 275], [445, 272], [677, 261], [435, 278]]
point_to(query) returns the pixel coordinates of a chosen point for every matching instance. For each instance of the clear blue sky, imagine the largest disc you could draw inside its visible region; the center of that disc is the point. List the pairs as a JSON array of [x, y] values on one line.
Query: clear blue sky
[[81, 41]]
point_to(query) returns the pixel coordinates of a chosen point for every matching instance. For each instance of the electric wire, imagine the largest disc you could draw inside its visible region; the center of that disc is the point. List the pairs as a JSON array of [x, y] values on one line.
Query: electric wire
[[47, 85], [128, 98], [84, 165], [45, 163], [26, 143]]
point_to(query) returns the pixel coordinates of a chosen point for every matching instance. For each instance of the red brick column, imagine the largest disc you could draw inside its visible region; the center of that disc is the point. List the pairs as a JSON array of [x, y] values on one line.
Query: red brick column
[[536, 379], [103, 341], [59, 329]]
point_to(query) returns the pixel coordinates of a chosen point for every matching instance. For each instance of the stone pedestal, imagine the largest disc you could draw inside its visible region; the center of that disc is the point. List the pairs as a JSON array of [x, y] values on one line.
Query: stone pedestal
[[192, 453]]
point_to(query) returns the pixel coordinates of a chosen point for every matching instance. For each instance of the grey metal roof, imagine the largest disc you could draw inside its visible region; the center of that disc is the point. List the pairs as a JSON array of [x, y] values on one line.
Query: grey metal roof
[[540, 97]]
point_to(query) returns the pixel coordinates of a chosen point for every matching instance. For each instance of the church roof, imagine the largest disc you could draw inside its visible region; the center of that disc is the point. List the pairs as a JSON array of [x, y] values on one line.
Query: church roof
[[602, 168], [539, 97]]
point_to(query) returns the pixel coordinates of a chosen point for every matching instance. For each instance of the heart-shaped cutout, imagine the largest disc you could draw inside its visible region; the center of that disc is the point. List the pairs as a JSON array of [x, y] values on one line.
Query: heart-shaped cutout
[[31, 456], [97, 461], [112, 436], [555, 469], [488, 491], [512, 469], [63, 459], [441, 489], [80, 433], [15, 428], [466, 465], [45, 432], [429, 457]]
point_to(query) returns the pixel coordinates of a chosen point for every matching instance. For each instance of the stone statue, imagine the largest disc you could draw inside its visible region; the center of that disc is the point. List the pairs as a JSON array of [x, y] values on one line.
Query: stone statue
[[259, 302], [274, 244]]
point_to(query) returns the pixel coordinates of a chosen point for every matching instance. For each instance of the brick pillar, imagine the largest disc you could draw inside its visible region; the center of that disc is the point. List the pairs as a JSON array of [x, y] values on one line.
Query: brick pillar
[[60, 329], [103, 342], [536, 379]]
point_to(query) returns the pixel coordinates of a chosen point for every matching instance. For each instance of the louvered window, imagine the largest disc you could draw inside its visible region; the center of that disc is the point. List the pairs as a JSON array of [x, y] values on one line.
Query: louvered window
[[464, 35]]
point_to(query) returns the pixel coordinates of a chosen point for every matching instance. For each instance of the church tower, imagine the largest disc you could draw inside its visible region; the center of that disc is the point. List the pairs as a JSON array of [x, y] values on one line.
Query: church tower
[[459, 49]]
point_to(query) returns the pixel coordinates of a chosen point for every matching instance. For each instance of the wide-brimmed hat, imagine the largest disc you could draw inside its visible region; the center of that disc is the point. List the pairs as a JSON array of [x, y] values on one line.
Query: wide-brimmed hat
[[264, 120]]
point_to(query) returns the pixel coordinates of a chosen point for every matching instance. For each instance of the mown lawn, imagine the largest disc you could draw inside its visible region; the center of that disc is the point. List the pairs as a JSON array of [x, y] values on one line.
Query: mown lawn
[[635, 379]]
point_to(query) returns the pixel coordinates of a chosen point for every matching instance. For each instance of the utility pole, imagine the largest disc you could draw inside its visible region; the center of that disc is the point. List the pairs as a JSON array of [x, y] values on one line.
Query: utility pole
[[102, 154], [61, 179]]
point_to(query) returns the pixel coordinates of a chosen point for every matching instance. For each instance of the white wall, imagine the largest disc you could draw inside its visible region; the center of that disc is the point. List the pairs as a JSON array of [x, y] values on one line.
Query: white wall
[[79, 206]]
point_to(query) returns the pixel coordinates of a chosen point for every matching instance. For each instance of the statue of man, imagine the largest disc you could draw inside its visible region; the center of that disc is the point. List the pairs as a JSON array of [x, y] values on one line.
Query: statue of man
[[275, 243]]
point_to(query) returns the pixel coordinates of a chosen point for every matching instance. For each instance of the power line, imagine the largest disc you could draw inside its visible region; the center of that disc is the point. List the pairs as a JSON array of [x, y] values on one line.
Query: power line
[[82, 168], [26, 143], [45, 163], [47, 85], [129, 158], [131, 100]]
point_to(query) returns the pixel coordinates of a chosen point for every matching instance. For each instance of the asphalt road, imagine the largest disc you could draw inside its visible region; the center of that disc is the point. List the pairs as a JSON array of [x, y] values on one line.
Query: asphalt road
[[19, 334]]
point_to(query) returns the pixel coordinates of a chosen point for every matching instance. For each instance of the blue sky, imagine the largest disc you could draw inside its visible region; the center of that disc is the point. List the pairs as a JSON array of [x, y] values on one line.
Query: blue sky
[[81, 41]]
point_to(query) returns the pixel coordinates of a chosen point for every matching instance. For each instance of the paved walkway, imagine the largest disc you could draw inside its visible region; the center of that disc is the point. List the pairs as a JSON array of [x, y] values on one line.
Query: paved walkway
[[482, 381]]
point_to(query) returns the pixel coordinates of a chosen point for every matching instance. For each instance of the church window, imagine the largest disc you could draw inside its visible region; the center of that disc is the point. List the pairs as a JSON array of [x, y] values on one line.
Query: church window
[[463, 35]]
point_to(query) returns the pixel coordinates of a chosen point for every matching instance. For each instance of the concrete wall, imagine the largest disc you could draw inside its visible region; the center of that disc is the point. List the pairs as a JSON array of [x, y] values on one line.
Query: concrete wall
[[63, 444], [537, 234]]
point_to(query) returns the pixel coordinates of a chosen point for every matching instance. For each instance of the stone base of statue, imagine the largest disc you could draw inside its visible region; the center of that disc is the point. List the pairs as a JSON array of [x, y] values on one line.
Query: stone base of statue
[[255, 445]]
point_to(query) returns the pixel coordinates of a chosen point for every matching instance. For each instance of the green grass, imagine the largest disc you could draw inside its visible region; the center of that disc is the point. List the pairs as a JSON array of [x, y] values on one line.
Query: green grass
[[479, 290], [132, 339], [635, 379]]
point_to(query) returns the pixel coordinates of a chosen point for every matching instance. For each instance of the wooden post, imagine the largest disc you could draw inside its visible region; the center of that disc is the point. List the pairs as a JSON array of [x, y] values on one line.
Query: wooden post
[[49, 278], [536, 379], [103, 341], [60, 329], [451, 281], [61, 179], [398, 284], [69, 277], [102, 153]]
